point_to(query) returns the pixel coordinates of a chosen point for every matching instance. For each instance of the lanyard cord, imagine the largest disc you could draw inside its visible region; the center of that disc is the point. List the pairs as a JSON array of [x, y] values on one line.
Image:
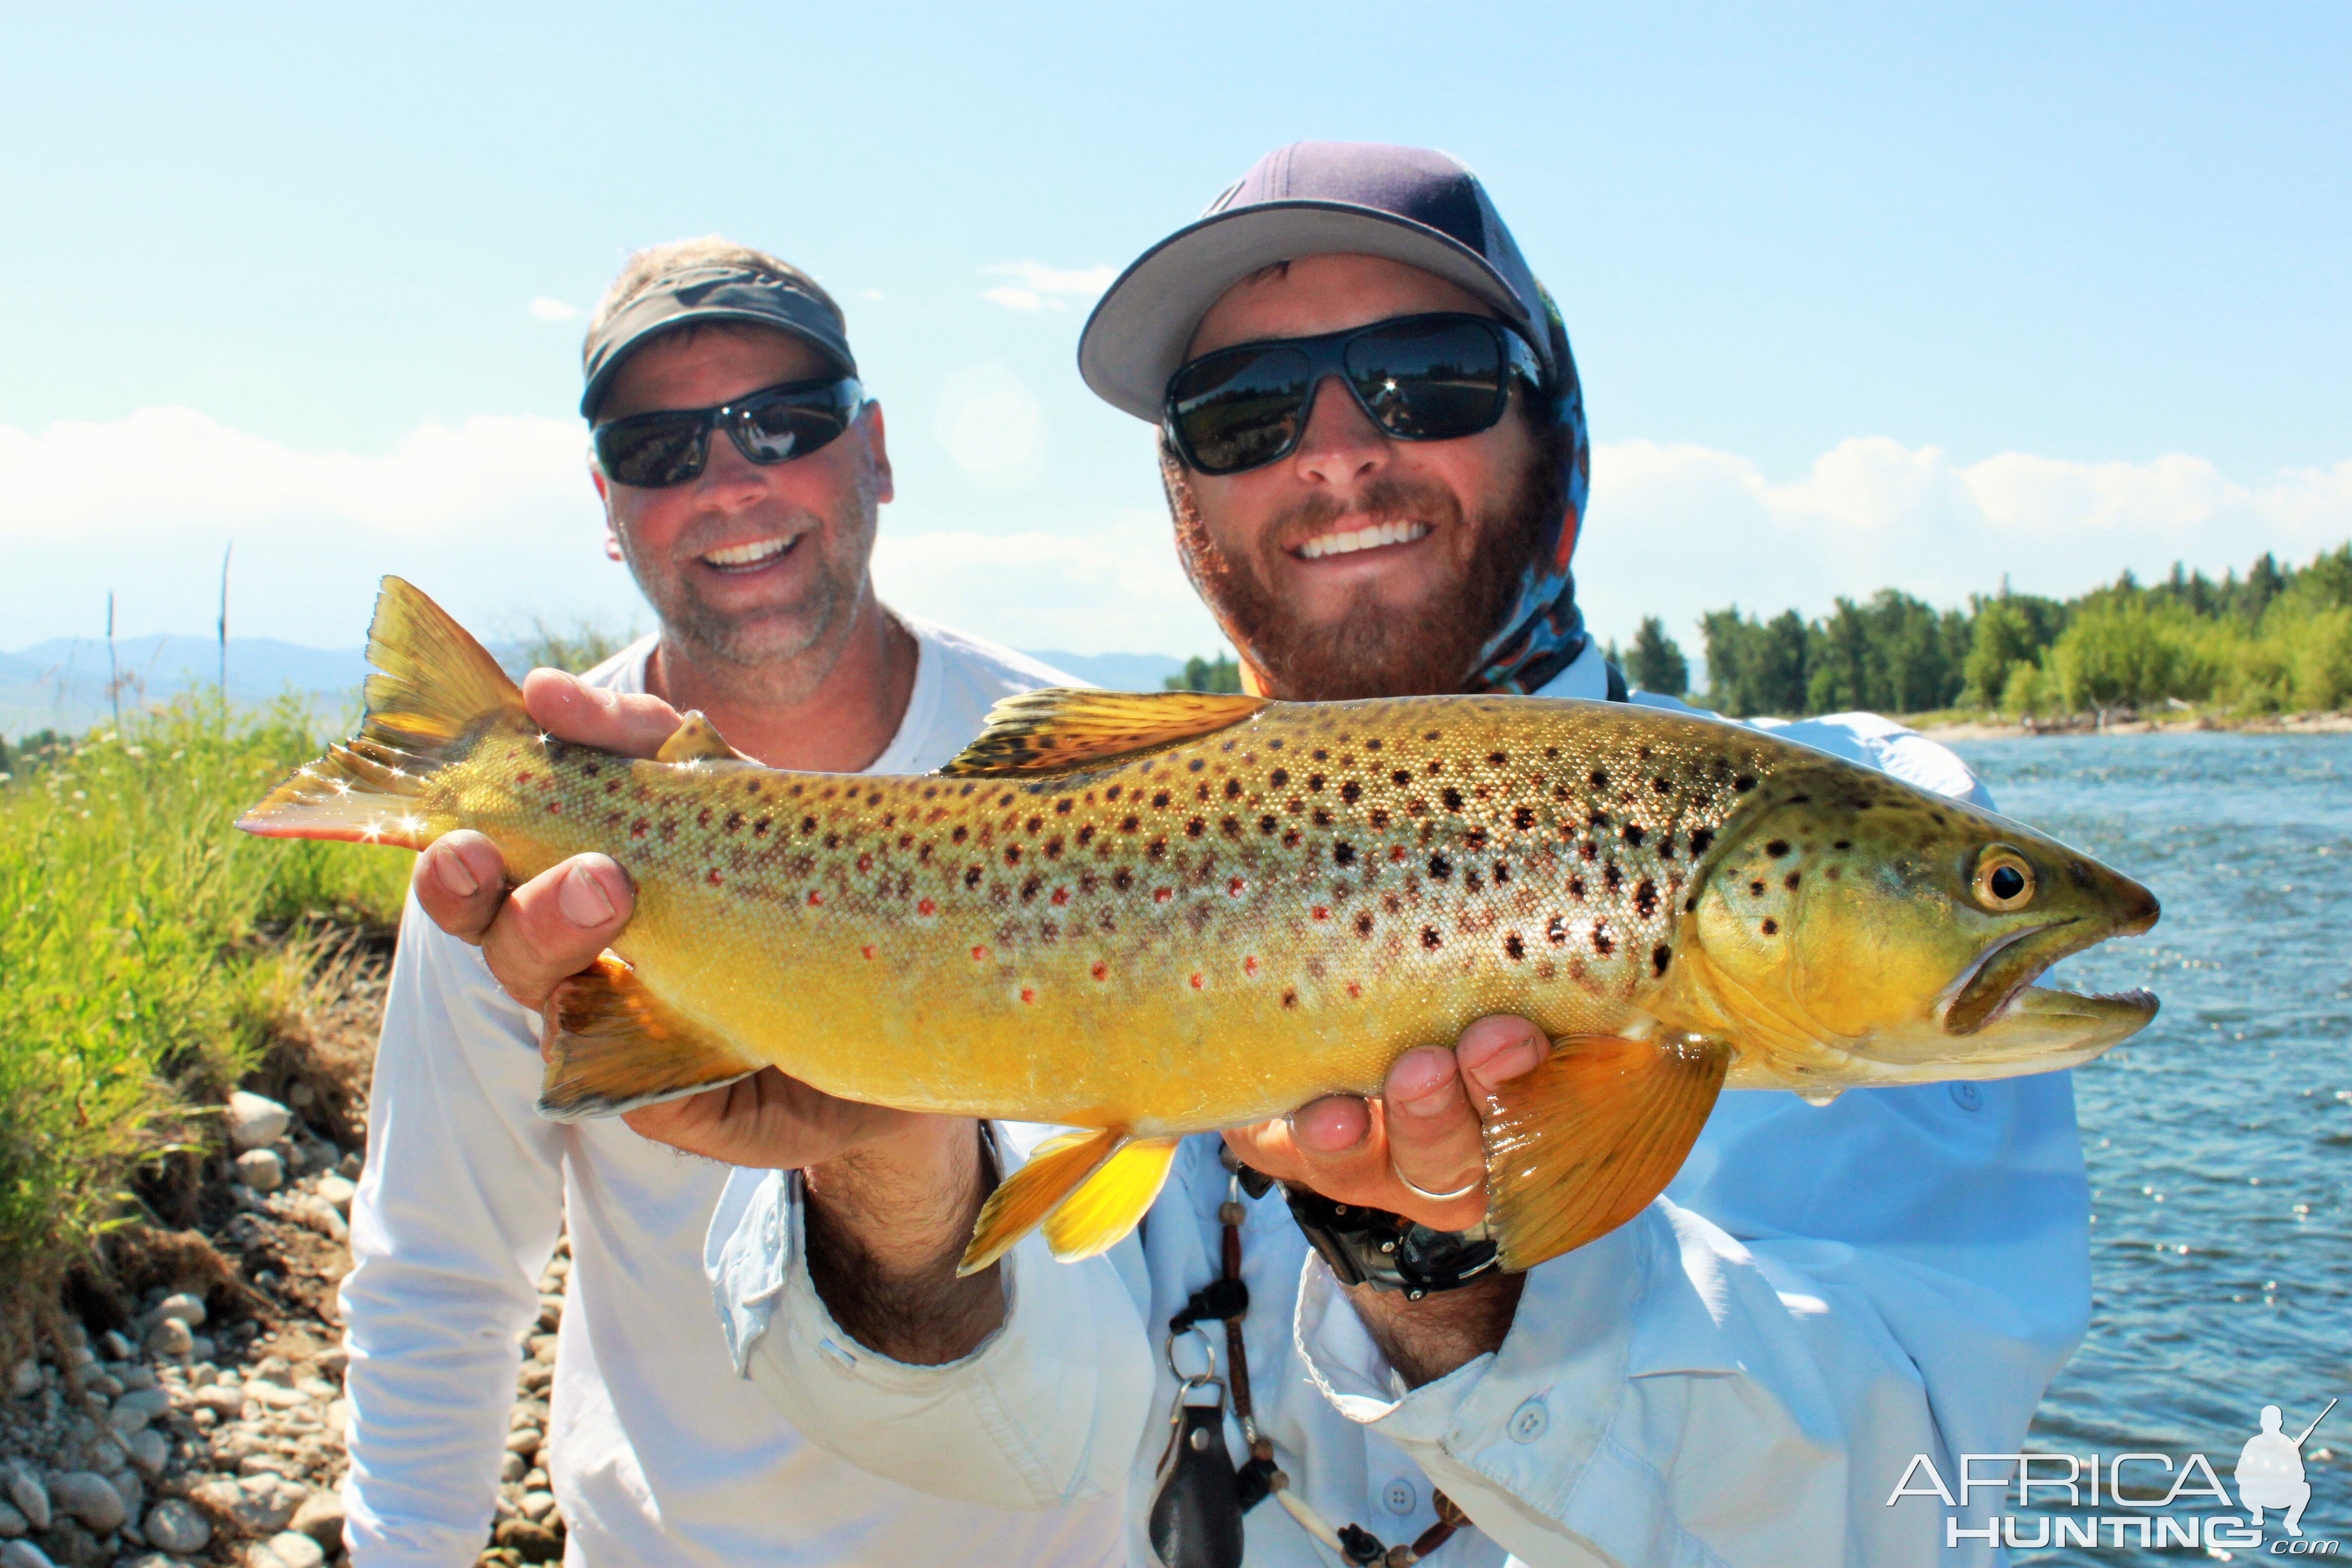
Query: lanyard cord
[[1227, 1297]]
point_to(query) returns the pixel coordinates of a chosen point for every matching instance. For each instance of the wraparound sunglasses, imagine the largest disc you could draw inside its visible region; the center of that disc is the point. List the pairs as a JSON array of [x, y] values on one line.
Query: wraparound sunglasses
[[1420, 378], [773, 424]]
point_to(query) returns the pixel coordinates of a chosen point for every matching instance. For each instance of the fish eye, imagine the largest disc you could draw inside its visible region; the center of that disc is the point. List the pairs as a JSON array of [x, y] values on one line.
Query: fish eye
[[2004, 880]]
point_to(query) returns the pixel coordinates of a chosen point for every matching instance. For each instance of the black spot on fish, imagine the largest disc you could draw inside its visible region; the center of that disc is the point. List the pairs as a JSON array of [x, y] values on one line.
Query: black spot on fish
[[1599, 778], [1232, 825], [1778, 848], [1156, 849], [1842, 844], [1351, 791], [1791, 880], [1401, 776], [1513, 948], [1744, 782], [1556, 931], [1633, 834], [1646, 899], [1700, 839], [1232, 789], [1029, 889], [1502, 872], [1613, 877], [1195, 828], [1364, 924], [1128, 824], [1368, 745], [1453, 798], [959, 834], [1161, 800], [1524, 818], [1279, 777], [1013, 854], [1755, 890], [1440, 866], [1267, 824], [1660, 956], [1322, 817], [1122, 879], [1196, 764], [1771, 927], [1343, 853], [971, 878], [1498, 758], [1601, 943], [1429, 938], [1289, 998]]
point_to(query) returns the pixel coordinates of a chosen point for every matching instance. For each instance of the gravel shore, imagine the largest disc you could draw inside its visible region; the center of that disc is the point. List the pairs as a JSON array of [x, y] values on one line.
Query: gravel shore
[[207, 1426]]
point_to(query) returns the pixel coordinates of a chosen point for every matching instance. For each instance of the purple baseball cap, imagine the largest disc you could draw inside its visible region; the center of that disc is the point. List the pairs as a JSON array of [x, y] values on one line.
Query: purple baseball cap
[[1310, 198]]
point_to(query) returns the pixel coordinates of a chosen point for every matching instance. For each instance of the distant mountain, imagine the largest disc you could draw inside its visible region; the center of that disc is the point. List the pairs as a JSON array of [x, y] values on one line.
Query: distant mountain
[[1113, 671], [61, 684]]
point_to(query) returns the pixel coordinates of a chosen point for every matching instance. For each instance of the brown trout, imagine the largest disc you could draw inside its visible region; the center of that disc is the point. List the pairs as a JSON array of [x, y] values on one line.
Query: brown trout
[[1153, 915]]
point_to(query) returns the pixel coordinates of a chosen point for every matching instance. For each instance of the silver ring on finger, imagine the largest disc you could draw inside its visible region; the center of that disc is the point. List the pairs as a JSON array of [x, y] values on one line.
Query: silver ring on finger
[[1464, 1191]]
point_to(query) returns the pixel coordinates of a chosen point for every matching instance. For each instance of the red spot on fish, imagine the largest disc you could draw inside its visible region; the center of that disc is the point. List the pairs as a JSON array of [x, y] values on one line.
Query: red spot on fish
[[1161, 895], [867, 950], [1101, 970], [1321, 913], [522, 778], [638, 829], [927, 908], [554, 807], [712, 875], [815, 897], [1249, 965], [702, 817], [978, 953], [865, 862], [1027, 994], [1196, 983], [1355, 989], [1061, 895], [1233, 888], [1397, 854]]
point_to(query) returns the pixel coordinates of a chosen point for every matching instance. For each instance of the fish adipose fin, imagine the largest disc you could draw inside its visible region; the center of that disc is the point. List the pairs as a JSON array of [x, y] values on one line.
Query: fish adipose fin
[[696, 740], [1087, 1189], [1058, 731], [434, 692], [614, 1047], [1581, 1144]]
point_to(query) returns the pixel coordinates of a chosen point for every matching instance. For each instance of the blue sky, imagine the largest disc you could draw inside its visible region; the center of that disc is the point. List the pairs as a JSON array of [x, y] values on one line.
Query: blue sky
[[1862, 295]]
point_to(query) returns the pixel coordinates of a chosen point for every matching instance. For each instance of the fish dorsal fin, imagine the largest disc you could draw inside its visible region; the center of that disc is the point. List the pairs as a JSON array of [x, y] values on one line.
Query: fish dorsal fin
[[696, 740], [1058, 729]]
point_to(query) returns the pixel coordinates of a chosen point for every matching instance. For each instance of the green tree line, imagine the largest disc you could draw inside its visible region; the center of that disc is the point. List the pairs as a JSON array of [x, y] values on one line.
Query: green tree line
[[2276, 639]]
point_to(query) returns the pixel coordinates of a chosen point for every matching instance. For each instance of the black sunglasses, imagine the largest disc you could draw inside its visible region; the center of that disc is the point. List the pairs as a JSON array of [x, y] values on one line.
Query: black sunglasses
[[773, 424], [1419, 378]]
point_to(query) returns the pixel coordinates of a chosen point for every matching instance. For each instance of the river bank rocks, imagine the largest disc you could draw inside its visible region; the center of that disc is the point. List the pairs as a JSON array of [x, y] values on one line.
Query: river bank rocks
[[208, 1426]]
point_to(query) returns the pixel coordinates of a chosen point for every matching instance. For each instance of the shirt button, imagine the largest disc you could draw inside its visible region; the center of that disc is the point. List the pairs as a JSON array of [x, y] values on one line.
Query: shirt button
[[1967, 1096], [1528, 1421], [1399, 1497]]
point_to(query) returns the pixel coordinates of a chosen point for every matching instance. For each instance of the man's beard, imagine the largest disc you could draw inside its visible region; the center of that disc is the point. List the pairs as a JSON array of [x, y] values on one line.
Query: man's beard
[[779, 653], [1370, 648]]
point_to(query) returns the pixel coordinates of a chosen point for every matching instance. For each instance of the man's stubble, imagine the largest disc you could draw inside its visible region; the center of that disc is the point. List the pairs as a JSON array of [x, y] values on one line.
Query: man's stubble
[[1373, 649]]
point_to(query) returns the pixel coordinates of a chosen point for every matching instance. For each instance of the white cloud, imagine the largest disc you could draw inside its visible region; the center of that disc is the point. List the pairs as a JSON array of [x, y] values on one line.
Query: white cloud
[[548, 309], [992, 427], [1677, 530], [1116, 589], [1043, 288]]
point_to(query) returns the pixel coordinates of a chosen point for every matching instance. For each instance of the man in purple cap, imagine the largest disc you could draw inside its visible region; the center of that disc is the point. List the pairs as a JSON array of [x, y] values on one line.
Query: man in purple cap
[[1373, 444]]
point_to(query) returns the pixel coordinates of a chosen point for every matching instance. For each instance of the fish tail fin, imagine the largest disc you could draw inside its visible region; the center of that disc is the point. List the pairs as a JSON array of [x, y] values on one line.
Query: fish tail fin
[[1087, 1189], [1581, 1144], [434, 692], [613, 1046]]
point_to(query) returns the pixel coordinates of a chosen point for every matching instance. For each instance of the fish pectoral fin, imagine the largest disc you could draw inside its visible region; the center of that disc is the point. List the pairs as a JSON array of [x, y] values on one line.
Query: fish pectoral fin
[[614, 1046], [1581, 1144], [1058, 729], [1087, 1189], [696, 740]]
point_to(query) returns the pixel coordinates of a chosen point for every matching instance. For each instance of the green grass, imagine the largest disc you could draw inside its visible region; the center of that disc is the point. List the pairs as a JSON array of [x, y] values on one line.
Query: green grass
[[145, 946]]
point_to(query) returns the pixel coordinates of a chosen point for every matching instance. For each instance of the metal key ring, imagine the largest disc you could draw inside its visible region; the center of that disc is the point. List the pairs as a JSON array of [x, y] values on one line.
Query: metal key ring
[[1208, 1347], [1464, 1191]]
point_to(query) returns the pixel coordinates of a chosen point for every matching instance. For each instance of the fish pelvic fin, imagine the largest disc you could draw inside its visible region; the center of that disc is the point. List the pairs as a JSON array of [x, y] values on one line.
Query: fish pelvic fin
[[1087, 1189], [1581, 1144], [1059, 730], [614, 1046], [435, 693]]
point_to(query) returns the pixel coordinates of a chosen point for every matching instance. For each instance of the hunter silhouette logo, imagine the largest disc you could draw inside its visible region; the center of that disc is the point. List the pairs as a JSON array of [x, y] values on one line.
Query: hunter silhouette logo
[[2270, 1470]]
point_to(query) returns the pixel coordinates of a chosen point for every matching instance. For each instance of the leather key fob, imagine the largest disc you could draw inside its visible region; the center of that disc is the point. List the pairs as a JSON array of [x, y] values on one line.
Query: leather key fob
[[1196, 1511]]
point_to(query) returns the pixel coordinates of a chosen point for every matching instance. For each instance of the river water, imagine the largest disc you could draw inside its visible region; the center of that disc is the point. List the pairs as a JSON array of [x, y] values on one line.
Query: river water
[[2218, 1139]]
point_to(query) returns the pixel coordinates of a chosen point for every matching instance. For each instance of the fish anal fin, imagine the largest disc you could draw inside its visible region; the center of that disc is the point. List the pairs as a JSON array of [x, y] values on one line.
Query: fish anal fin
[[1110, 1203], [696, 740], [1058, 1168], [1581, 1144], [613, 1046], [1056, 730]]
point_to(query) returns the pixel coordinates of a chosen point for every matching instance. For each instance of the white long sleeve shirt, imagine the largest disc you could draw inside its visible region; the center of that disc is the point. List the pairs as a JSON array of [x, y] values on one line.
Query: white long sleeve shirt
[[1740, 1375], [658, 1453]]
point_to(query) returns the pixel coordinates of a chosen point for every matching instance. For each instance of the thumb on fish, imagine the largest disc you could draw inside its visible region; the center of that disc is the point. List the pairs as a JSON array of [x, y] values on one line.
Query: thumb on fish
[[629, 723]]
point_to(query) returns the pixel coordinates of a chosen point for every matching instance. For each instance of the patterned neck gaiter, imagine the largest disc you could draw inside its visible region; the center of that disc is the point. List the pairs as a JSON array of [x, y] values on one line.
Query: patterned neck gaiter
[[1545, 631]]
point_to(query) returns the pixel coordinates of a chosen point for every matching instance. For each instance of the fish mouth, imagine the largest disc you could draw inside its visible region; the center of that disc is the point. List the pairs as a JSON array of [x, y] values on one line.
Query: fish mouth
[[1999, 987], [1369, 536], [742, 560]]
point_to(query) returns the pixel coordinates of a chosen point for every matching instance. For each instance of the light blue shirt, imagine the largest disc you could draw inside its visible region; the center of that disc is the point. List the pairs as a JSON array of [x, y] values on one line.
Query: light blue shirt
[[1740, 1375]]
